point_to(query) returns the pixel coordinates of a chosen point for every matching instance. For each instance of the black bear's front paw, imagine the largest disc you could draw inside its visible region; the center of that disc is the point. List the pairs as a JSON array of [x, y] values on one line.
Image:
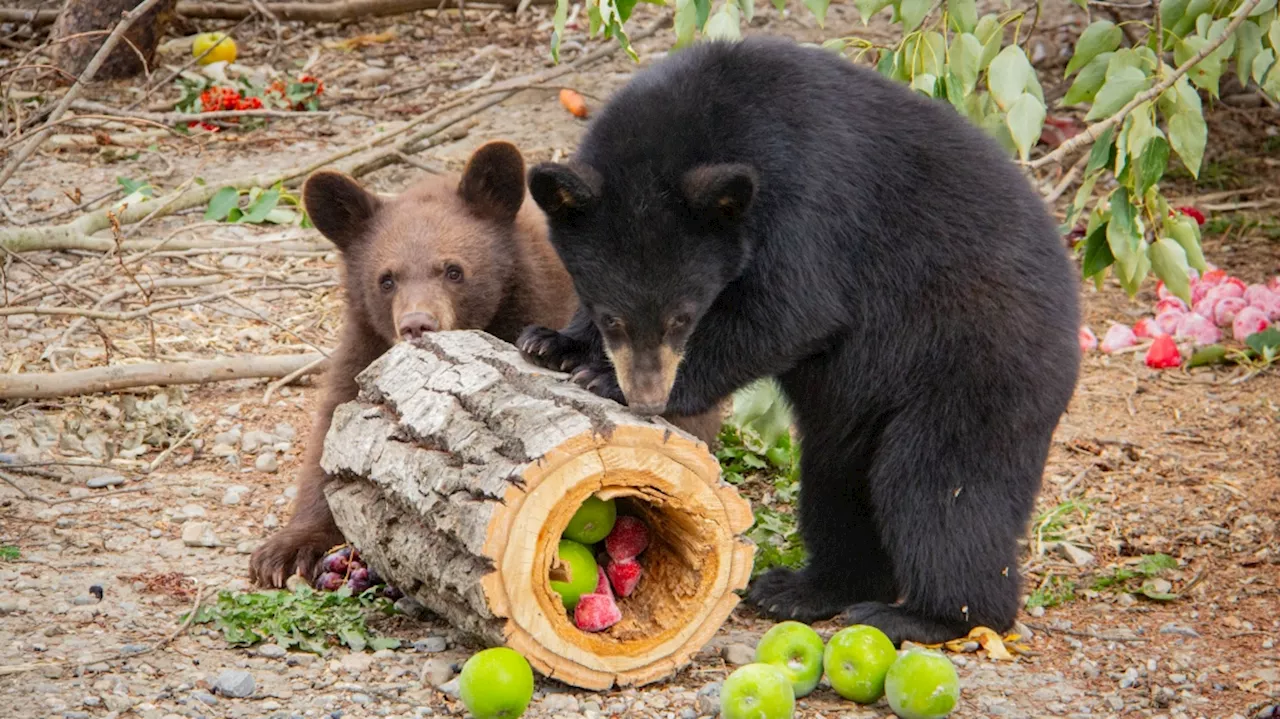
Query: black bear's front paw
[[553, 350], [900, 625], [600, 379], [788, 594]]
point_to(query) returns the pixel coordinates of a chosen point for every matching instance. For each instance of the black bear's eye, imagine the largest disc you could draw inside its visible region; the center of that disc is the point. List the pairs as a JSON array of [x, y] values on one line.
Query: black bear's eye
[[679, 321], [610, 322], [387, 282], [453, 273]]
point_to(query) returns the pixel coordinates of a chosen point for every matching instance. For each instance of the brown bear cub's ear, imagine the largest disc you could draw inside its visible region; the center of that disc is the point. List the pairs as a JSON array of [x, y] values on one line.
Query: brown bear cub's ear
[[720, 192], [493, 182], [339, 207], [563, 191]]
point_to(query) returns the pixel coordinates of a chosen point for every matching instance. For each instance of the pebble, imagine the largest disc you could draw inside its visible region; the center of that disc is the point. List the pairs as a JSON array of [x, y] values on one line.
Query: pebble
[[92, 701], [361, 699], [560, 703], [234, 494], [199, 534], [708, 701], [8, 606], [84, 600], [75, 715], [193, 511], [204, 697], [1075, 555], [272, 651], [235, 683], [156, 534], [1129, 678], [431, 645], [1036, 612], [372, 76], [1115, 702], [436, 672], [450, 688], [356, 663], [285, 431], [105, 480], [266, 462], [1172, 628], [270, 521], [739, 654], [412, 608]]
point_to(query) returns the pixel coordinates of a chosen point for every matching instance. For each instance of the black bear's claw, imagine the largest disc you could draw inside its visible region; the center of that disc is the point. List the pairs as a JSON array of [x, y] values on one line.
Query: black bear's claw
[[599, 379], [788, 594]]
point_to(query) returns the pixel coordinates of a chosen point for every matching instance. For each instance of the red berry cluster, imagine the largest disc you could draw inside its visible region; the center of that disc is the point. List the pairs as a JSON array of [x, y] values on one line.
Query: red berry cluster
[[218, 99], [281, 89]]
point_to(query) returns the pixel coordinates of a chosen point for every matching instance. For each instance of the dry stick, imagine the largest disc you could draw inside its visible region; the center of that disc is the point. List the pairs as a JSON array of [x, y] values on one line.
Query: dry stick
[[291, 377], [1094, 131], [173, 118], [144, 311], [85, 77], [75, 235], [115, 378]]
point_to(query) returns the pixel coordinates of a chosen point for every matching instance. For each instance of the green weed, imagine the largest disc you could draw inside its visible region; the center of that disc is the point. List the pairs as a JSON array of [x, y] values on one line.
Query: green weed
[[306, 619], [10, 553], [1054, 591]]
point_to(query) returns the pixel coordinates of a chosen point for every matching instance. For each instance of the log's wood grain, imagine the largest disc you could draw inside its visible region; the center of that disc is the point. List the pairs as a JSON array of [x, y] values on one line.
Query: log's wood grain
[[459, 466]]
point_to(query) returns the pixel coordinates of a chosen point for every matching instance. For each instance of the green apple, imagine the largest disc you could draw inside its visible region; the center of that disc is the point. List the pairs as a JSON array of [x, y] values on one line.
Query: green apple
[[757, 691], [796, 649], [922, 685], [857, 659], [582, 572], [496, 683], [593, 521]]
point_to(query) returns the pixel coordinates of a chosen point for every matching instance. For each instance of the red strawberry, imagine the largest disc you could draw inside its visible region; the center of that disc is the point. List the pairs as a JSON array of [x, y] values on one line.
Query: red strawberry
[[1193, 213], [1163, 353], [624, 575], [596, 613], [628, 538], [602, 582], [1146, 328]]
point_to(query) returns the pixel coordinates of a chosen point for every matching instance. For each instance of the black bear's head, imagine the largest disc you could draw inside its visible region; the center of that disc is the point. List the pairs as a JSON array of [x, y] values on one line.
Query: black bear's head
[[648, 256]]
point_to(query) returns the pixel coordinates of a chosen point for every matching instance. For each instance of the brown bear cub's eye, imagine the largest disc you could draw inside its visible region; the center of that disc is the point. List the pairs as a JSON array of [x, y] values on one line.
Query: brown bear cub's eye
[[453, 273], [387, 282]]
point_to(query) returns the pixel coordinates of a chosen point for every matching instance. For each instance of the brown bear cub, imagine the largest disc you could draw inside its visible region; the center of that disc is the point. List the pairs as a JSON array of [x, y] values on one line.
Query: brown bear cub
[[449, 253]]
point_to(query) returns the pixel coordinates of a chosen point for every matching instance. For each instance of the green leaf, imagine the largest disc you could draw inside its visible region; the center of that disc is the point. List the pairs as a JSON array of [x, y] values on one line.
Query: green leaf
[[1188, 134], [1100, 155], [990, 32], [867, 8], [925, 83], [933, 53], [221, 204], [1090, 79], [1186, 232], [1123, 236], [963, 14], [725, 25], [1170, 264], [1097, 253], [955, 92], [966, 52], [1148, 590], [819, 10], [1142, 268], [557, 29], [1248, 44], [1140, 129], [1118, 89], [913, 12], [1261, 64], [1081, 200], [281, 216], [704, 12], [686, 22], [1101, 36], [1171, 11], [1194, 9], [258, 210], [1025, 120], [626, 6], [1204, 74], [1265, 341], [1007, 76], [1213, 354], [1263, 7], [1151, 165]]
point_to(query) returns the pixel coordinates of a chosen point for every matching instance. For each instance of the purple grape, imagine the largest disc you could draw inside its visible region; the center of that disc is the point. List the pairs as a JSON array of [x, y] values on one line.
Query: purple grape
[[338, 561], [374, 578], [359, 580], [329, 581]]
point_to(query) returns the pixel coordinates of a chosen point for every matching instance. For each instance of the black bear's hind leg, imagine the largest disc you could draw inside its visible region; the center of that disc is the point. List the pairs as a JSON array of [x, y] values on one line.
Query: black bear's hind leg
[[846, 561]]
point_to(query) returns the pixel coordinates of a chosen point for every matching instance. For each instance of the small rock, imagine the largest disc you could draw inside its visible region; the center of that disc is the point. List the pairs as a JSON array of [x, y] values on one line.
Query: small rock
[[84, 600], [739, 654], [266, 462], [247, 546], [199, 534], [235, 683], [8, 606], [431, 645], [708, 701], [234, 494], [75, 715], [270, 521], [1164, 696], [436, 672], [1126, 600], [231, 410], [193, 511], [105, 480], [156, 534], [272, 651], [412, 608], [119, 704], [450, 688], [557, 704], [230, 438], [285, 431], [356, 663], [688, 714], [361, 699], [92, 701], [1163, 586], [373, 76], [1036, 612], [1172, 628], [1075, 555], [204, 697], [1115, 702]]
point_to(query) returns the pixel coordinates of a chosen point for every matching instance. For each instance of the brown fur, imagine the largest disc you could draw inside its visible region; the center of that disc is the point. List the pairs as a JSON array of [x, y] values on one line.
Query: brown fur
[[482, 225]]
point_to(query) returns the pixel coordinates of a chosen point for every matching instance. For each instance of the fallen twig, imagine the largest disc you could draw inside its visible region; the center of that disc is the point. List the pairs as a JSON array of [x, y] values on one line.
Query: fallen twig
[[174, 118], [48, 385], [1094, 131], [85, 77], [291, 377], [1087, 635]]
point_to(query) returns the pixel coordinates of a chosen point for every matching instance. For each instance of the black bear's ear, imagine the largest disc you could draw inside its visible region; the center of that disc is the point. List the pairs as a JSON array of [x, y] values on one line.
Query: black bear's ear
[[493, 182], [563, 190], [722, 192], [338, 206]]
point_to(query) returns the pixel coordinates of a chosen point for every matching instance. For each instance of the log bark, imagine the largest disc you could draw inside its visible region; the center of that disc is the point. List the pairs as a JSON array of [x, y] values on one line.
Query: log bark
[[134, 54], [457, 469], [113, 378]]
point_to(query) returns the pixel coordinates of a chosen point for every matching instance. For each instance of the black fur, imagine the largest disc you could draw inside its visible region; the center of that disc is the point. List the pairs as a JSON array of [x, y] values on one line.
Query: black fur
[[892, 268]]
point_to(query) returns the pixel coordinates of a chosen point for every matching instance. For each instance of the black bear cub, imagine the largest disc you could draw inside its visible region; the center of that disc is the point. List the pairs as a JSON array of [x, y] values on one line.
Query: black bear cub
[[759, 209]]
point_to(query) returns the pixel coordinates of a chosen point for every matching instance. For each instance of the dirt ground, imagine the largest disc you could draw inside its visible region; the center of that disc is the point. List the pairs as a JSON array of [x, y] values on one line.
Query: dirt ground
[[1180, 463]]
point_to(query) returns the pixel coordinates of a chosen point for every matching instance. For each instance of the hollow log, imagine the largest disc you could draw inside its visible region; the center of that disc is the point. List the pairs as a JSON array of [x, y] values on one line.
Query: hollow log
[[457, 469], [93, 19]]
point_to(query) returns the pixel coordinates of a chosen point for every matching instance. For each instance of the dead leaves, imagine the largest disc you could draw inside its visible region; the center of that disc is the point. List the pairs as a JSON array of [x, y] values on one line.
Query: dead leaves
[[1000, 648], [359, 41]]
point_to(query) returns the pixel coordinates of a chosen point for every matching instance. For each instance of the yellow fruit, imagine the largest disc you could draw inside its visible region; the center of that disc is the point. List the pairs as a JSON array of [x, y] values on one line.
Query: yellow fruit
[[225, 49]]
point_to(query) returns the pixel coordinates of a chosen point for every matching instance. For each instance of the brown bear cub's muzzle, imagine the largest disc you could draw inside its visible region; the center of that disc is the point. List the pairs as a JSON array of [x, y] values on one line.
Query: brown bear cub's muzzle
[[646, 377], [413, 325]]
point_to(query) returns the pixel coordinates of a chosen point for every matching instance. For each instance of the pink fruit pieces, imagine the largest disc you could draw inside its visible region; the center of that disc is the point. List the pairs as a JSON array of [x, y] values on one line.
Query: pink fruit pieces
[[1198, 329], [1225, 311], [1248, 321], [596, 613], [1146, 328], [1088, 340], [1163, 353], [624, 575], [628, 538], [1168, 320], [1117, 338]]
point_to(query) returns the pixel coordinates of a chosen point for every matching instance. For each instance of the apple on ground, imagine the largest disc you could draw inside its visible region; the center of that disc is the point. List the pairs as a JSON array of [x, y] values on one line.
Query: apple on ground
[[496, 683], [757, 691], [922, 685], [797, 650], [856, 660]]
